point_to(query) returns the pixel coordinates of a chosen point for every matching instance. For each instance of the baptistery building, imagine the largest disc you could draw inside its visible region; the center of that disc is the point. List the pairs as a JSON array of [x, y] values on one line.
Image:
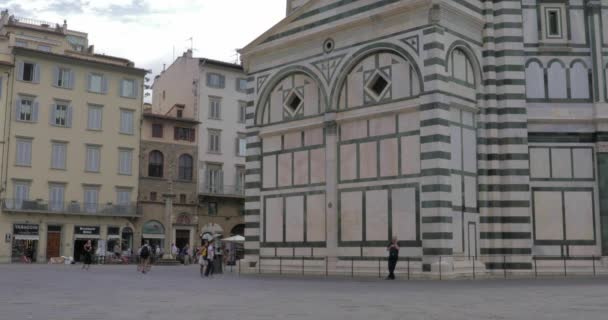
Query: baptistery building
[[471, 130]]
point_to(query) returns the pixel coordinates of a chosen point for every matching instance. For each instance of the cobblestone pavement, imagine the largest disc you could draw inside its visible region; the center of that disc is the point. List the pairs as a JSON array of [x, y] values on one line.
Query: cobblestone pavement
[[174, 293]]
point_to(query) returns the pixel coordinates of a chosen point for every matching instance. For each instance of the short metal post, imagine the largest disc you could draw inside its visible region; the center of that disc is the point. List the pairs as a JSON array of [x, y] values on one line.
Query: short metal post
[[280, 265], [379, 272], [535, 268], [260, 265], [408, 268], [239, 266], [504, 265], [440, 275], [474, 268], [302, 265], [326, 267], [565, 269], [593, 259], [352, 267]]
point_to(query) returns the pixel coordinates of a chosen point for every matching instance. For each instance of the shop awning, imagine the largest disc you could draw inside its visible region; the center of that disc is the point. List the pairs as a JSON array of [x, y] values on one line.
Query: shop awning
[[153, 236], [26, 237], [86, 236]]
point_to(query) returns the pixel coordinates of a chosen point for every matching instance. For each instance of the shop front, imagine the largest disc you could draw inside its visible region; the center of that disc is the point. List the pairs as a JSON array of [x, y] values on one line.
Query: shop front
[[25, 243], [82, 234], [127, 240], [153, 232]]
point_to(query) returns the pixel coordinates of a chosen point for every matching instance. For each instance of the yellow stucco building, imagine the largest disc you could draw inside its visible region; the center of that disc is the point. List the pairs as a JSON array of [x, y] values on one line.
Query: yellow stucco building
[[69, 142]]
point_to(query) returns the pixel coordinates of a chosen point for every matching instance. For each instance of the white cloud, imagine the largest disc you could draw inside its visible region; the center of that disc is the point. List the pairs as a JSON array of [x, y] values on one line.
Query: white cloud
[[146, 31]]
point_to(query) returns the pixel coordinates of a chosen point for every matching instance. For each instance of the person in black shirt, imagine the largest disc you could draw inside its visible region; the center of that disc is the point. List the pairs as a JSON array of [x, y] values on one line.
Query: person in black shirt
[[393, 257]]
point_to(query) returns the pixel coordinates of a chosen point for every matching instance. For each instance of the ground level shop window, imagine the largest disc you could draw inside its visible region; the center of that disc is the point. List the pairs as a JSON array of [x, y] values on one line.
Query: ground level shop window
[[25, 243]]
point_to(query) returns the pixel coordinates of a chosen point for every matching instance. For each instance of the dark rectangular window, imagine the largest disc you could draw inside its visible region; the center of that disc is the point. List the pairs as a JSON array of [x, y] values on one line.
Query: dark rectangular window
[[180, 113], [28, 72], [553, 22], [185, 134], [182, 198], [212, 208], [152, 196], [157, 130], [113, 231]]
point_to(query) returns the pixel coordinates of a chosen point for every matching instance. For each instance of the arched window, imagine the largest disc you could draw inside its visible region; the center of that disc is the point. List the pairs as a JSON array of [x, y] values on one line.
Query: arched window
[[535, 80], [155, 164], [579, 81], [462, 68], [185, 167], [556, 74]]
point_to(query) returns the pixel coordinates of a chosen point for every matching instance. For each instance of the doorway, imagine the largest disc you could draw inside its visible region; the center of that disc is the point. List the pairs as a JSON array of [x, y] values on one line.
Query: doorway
[[182, 238], [53, 242], [472, 240]]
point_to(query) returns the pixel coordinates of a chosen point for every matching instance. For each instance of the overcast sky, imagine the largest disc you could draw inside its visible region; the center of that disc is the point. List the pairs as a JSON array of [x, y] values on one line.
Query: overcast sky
[[146, 31]]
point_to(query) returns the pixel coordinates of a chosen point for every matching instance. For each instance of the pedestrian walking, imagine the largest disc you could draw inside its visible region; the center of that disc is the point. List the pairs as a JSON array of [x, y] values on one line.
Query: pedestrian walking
[[202, 259], [210, 259], [393, 257], [186, 255], [144, 258], [159, 253], [88, 255], [174, 251]]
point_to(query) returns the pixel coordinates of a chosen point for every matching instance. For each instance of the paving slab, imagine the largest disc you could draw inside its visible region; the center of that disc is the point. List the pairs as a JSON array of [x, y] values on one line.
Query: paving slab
[[61, 292]]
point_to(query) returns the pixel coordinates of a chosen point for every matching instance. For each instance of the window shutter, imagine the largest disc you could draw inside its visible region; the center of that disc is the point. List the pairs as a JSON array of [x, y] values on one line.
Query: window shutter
[[20, 70], [52, 114], [36, 73], [28, 152], [89, 82], [222, 82], [206, 185], [104, 84], [220, 182], [35, 112], [2, 83], [70, 79], [135, 89], [56, 77], [68, 117], [236, 144], [17, 108]]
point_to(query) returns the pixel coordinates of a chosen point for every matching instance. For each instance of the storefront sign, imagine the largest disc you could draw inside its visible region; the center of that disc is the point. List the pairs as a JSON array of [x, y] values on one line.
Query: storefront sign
[[25, 229], [84, 230]]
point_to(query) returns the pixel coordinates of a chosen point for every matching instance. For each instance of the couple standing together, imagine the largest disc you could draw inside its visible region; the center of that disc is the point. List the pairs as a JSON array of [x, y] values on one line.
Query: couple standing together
[[206, 258]]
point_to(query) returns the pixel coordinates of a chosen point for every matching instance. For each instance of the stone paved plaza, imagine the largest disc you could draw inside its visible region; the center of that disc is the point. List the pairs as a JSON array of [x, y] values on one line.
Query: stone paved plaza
[[43, 292]]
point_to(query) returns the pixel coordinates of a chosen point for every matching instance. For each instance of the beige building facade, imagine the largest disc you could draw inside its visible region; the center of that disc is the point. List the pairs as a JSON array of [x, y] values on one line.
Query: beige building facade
[[70, 143], [214, 93]]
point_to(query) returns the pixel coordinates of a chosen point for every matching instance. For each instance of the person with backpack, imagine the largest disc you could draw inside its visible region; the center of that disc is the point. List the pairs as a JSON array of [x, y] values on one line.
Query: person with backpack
[[393, 257], [144, 258], [202, 259]]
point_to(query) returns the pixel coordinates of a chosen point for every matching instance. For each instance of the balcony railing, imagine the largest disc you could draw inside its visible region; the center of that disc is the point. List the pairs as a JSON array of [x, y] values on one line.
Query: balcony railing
[[39, 23], [221, 190], [73, 207]]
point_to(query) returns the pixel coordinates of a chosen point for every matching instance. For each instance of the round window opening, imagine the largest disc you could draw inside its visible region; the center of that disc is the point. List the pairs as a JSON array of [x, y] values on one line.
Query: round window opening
[[328, 45]]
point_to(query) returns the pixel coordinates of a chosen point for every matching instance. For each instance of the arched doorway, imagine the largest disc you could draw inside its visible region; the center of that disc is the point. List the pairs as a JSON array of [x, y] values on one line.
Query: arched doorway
[[126, 239], [239, 229], [154, 233]]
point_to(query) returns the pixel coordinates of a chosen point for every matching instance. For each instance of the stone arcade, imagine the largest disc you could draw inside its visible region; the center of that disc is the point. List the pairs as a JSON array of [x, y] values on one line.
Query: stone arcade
[[468, 129]]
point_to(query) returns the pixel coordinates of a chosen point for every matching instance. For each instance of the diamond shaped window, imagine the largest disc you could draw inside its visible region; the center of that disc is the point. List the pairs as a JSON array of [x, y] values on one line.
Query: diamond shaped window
[[378, 84], [294, 102]]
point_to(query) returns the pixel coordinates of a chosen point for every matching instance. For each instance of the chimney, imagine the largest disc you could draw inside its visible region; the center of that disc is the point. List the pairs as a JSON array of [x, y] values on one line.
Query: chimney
[[188, 53]]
